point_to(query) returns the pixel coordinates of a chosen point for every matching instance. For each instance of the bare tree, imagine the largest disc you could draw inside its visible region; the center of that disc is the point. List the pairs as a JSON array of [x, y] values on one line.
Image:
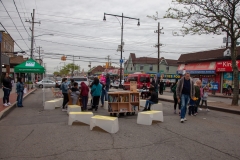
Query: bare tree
[[211, 16]]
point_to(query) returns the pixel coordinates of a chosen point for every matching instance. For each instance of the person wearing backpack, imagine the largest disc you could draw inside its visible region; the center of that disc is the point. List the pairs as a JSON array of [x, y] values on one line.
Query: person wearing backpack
[[64, 89]]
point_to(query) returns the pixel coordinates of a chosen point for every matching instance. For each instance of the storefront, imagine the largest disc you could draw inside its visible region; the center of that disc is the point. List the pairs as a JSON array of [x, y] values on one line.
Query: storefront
[[170, 78], [224, 68], [205, 71]]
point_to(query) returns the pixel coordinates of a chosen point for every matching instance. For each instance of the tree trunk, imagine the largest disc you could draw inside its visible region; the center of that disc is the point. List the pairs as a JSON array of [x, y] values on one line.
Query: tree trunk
[[235, 75]]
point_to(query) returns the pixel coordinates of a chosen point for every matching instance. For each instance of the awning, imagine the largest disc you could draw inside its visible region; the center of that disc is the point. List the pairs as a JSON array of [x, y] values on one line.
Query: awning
[[29, 66], [198, 68]]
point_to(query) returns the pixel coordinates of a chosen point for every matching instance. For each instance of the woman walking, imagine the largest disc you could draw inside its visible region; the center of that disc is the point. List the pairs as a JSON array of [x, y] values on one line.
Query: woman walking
[[64, 88], [19, 90], [173, 89], [96, 92], [7, 87], [84, 95]]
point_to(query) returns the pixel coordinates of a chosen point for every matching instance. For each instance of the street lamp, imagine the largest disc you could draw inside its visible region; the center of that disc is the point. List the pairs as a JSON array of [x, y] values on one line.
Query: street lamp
[[121, 60]]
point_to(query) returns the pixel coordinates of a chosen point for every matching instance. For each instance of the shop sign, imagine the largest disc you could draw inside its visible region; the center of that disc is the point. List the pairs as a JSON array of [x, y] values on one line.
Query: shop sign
[[226, 66], [171, 76], [198, 71]]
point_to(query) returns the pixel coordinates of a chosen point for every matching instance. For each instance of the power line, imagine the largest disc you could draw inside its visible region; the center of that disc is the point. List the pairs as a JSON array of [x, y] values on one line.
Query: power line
[[13, 23], [20, 18], [13, 40]]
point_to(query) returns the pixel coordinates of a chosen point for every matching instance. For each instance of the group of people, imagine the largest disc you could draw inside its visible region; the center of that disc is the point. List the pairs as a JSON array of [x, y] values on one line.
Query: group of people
[[185, 93], [97, 89], [7, 85]]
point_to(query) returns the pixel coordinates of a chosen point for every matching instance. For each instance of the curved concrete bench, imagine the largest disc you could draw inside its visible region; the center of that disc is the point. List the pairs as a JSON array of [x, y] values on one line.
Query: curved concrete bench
[[50, 105], [107, 123], [147, 117], [84, 117]]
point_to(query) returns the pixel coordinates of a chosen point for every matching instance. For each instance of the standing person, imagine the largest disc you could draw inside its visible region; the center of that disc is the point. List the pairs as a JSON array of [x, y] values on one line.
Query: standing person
[[84, 95], [185, 91], [103, 94], [198, 94], [161, 86], [75, 93], [19, 90], [71, 85], [173, 89], [154, 84], [96, 93], [204, 98], [64, 88], [108, 82], [152, 100], [7, 87]]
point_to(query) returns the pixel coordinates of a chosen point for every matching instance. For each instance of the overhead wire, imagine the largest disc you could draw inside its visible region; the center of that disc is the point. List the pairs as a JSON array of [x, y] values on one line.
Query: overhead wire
[[13, 23]]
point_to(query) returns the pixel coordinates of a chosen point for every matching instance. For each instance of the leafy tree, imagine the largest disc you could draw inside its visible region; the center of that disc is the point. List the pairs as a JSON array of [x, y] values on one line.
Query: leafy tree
[[211, 16], [56, 73], [69, 69]]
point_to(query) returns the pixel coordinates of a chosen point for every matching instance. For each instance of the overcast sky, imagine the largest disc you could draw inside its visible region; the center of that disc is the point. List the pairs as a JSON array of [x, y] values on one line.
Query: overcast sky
[[79, 30]]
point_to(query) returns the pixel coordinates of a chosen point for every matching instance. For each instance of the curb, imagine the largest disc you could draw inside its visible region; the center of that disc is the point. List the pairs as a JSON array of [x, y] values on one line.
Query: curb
[[210, 107], [7, 110]]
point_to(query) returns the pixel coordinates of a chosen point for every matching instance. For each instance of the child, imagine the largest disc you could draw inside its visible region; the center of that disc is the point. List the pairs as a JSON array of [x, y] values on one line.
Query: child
[[75, 93], [152, 100], [191, 109], [204, 98], [84, 95]]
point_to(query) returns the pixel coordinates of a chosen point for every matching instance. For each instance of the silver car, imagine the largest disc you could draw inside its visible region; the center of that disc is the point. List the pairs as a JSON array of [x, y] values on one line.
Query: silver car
[[45, 83]]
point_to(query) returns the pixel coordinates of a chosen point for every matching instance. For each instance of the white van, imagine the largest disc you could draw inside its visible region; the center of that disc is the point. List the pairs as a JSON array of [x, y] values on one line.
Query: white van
[[81, 79]]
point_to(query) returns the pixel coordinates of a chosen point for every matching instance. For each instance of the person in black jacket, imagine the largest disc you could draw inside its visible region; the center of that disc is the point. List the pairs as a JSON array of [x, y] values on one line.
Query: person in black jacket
[[7, 87], [152, 100]]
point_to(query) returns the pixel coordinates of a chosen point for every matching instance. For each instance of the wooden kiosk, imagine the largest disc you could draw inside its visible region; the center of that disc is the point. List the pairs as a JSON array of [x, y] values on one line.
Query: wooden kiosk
[[124, 102]]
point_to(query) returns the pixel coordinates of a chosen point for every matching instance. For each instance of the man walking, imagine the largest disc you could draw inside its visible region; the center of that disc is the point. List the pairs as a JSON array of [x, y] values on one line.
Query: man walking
[[185, 91]]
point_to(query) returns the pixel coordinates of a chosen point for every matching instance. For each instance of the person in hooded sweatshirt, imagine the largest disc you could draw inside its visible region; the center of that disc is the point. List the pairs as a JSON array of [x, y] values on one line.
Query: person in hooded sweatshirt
[[84, 95], [96, 92], [75, 93]]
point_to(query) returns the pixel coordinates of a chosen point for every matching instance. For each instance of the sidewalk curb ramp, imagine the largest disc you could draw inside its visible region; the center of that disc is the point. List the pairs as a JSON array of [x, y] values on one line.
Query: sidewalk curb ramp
[[210, 107], [7, 110]]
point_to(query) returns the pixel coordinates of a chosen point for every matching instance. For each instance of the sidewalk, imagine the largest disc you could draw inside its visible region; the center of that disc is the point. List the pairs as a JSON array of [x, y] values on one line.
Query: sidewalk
[[13, 97], [214, 105]]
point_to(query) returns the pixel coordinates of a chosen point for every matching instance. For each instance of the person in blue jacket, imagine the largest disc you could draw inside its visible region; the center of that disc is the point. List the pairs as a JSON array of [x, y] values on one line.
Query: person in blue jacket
[[96, 92], [19, 90], [64, 89]]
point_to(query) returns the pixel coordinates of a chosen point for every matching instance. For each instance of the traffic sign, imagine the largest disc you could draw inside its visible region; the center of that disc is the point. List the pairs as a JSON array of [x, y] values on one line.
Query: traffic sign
[[121, 60]]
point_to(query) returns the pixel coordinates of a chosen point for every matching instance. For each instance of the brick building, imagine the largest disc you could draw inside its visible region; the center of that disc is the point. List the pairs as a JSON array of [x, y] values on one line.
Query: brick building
[[98, 70]]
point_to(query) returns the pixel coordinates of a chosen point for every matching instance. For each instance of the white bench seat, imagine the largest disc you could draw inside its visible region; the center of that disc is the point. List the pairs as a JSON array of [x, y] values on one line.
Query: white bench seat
[[147, 117], [107, 123], [84, 117]]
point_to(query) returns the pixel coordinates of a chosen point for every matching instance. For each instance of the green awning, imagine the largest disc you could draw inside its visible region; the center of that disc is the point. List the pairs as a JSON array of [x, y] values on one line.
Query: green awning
[[29, 66]]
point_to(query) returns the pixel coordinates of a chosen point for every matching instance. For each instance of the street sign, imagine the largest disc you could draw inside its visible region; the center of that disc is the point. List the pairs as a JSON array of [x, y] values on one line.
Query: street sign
[[121, 60]]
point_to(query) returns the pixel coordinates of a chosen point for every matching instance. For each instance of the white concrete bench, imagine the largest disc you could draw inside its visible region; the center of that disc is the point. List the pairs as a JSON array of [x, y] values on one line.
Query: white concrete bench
[[107, 123], [147, 117], [105, 105], [84, 117], [74, 108], [50, 105], [156, 107]]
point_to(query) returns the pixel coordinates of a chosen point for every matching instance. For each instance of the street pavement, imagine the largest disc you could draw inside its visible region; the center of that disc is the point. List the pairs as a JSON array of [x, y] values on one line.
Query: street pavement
[[33, 133]]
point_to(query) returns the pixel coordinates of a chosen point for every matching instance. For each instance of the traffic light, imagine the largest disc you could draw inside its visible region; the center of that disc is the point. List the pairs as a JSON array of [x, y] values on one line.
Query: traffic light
[[63, 58]]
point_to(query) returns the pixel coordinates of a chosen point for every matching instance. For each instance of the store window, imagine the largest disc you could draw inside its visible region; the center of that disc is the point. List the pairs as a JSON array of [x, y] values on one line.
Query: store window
[[142, 67], [150, 67]]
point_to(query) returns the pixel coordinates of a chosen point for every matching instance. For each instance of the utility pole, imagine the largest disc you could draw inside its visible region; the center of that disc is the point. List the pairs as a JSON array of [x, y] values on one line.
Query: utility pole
[[39, 52], [158, 31], [32, 29]]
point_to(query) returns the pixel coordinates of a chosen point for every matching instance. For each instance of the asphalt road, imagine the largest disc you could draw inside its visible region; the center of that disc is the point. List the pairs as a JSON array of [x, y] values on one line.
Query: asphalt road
[[32, 133]]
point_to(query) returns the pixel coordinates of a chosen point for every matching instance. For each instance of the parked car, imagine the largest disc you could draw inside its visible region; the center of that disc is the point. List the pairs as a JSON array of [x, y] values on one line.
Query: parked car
[[58, 80], [117, 83], [45, 83], [81, 79]]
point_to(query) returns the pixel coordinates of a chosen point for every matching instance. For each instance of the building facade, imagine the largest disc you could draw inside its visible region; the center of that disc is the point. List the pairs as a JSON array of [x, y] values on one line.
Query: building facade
[[213, 68], [167, 67]]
